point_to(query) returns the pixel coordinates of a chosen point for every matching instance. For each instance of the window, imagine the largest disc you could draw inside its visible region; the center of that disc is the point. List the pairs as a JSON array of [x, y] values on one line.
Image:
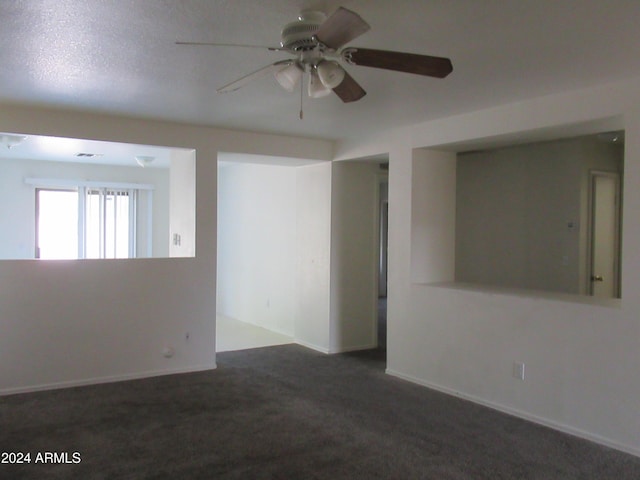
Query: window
[[110, 223], [88, 221], [56, 224]]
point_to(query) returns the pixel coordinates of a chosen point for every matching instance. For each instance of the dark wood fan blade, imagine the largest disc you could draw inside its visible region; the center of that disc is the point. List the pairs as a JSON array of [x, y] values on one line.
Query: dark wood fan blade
[[341, 27], [398, 61], [241, 82], [349, 90], [213, 44]]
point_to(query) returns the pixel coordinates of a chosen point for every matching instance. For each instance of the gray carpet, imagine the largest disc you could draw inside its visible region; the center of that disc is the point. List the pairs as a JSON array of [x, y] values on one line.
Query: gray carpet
[[288, 413]]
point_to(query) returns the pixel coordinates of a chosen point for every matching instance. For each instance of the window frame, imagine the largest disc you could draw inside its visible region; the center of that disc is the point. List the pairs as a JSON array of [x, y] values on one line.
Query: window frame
[[83, 188]]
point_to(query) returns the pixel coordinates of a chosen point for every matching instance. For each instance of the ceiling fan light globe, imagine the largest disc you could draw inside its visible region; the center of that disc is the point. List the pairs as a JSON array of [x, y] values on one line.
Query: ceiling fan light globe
[[316, 88], [330, 73], [288, 77]]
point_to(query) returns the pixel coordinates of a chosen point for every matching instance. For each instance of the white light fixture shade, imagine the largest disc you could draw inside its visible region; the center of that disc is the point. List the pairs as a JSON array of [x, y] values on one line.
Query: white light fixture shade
[[11, 140], [316, 87], [144, 160], [331, 74], [289, 77]]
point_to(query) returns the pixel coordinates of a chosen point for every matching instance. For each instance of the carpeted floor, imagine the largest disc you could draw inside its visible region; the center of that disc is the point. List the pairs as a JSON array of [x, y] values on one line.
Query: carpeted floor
[[286, 412]]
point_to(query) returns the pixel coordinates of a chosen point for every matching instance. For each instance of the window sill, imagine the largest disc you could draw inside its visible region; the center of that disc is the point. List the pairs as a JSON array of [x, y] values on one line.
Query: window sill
[[527, 293]]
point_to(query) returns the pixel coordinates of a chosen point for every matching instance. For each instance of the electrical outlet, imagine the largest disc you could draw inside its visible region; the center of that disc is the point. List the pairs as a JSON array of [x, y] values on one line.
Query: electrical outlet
[[518, 370]]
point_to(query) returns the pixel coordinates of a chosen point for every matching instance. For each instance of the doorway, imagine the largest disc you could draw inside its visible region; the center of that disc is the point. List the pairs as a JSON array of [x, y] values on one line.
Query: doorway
[[383, 189], [604, 271], [256, 283]]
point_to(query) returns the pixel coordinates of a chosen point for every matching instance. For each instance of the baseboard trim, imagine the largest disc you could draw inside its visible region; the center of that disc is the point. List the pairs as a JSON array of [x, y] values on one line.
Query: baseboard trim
[[107, 379], [576, 432], [311, 346], [333, 351], [352, 349]]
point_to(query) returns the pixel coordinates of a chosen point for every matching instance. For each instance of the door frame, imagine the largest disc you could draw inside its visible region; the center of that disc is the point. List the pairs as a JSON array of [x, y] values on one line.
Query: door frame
[[593, 174]]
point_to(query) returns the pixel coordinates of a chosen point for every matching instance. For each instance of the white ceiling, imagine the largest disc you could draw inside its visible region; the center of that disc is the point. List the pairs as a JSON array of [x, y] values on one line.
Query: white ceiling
[[73, 150], [57, 149], [120, 57]]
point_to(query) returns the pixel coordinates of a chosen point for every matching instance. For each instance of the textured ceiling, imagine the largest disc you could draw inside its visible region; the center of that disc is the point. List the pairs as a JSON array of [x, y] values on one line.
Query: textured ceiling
[[120, 57]]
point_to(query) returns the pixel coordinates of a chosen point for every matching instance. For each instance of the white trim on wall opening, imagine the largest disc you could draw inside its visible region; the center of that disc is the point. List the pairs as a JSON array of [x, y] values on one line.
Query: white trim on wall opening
[[69, 183]]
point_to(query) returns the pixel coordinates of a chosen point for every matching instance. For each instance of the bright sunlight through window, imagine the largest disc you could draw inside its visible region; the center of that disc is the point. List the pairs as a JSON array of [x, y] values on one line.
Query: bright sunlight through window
[[57, 224], [85, 223]]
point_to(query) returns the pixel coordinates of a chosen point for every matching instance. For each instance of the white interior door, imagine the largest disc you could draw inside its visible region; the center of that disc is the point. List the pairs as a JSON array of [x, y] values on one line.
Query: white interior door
[[605, 220]]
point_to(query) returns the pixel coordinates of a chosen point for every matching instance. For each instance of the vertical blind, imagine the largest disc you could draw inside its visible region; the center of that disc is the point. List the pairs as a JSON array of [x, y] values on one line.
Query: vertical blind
[[110, 219]]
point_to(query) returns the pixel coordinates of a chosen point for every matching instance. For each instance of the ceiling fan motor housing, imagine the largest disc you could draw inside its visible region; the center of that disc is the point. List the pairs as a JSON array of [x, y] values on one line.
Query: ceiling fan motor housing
[[299, 35], [318, 42]]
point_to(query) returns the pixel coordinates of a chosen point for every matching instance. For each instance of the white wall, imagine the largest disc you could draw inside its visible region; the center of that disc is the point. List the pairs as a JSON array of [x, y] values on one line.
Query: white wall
[[354, 255], [66, 323], [257, 244], [581, 358], [313, 263], [277, 226], [17, 201], [433, 187], [182, 208], [383, 206]]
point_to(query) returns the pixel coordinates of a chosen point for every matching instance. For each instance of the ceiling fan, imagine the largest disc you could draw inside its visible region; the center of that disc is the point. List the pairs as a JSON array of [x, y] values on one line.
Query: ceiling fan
[[317, 44]]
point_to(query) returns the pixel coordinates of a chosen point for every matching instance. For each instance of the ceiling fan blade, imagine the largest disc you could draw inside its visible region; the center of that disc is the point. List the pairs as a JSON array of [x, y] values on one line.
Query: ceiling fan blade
[[398, 61], [341, 27], [241, 82], [214, 44], [349, 90]]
